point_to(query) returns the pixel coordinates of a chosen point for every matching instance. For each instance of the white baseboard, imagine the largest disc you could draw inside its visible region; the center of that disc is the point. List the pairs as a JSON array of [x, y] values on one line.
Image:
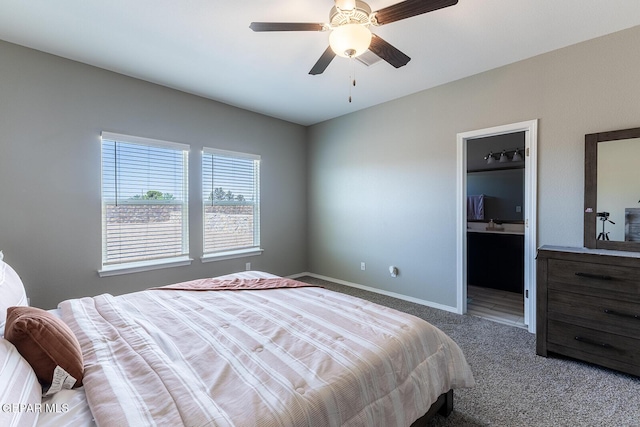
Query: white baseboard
[[379, 291]]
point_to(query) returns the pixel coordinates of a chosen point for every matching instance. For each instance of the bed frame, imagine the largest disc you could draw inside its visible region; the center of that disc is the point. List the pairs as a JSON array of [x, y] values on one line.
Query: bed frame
[[443, 406]]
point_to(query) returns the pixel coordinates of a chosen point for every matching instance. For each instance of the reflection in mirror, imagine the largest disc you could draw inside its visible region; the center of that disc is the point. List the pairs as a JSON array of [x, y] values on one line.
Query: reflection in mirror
[[618, 190], [503, 192]]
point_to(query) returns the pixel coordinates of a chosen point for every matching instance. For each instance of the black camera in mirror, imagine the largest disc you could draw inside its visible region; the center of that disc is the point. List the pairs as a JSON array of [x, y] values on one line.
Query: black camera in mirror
[[604, 217]]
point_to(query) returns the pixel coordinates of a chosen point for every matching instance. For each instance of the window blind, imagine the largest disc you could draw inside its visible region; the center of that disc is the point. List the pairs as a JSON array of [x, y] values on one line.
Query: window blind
[[144, 199], [231, 201]]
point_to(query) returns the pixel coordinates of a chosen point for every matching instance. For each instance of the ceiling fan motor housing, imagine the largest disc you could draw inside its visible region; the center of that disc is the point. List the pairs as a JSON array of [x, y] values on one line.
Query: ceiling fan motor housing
[[359, 15]]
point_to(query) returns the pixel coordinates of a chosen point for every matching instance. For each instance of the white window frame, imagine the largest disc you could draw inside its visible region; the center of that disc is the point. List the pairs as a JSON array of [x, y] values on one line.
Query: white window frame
[[138, 266], [253, 250]]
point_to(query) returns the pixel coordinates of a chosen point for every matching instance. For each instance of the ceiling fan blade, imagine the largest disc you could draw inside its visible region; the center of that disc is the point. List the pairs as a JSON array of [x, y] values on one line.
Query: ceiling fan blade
[[409, 8], [323, 62], [387, 52], [286, 26]]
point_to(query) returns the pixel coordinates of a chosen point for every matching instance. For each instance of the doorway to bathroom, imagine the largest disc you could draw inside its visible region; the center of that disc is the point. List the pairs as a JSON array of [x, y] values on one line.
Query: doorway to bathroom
[[496, 244]]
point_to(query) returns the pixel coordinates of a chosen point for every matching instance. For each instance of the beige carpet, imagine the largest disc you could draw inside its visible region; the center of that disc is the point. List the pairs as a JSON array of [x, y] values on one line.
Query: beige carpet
[[514, 386]]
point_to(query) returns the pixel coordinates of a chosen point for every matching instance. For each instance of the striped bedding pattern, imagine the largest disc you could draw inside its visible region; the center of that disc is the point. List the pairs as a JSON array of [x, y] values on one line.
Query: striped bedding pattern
[[275, 357], [20, 393]]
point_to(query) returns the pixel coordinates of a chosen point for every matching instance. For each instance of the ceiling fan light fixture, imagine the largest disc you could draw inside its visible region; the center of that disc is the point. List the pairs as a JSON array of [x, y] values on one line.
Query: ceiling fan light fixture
[[350, 40]]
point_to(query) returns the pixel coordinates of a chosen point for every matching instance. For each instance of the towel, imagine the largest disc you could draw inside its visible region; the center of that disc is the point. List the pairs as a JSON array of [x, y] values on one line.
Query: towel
[[475, 207]]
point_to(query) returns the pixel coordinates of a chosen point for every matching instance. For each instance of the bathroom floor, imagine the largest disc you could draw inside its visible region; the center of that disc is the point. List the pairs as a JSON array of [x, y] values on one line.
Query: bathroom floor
[[496, 305]]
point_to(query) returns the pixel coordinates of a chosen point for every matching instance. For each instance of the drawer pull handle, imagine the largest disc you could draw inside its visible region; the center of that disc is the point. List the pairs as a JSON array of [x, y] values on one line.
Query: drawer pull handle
[[617, 313], [594, 276], [593, 342]]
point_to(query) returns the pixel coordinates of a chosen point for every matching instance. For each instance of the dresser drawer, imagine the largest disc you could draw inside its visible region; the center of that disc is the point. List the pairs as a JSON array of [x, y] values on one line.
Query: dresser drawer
[[594, 346], [595, 279], [613, 316]]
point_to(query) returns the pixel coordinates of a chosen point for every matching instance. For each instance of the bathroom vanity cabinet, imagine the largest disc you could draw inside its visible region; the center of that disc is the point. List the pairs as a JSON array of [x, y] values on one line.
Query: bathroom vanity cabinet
[[496, 260]]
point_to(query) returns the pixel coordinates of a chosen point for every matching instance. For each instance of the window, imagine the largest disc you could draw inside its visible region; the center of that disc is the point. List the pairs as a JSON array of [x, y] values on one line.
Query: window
[[231, 204], [144, 203]]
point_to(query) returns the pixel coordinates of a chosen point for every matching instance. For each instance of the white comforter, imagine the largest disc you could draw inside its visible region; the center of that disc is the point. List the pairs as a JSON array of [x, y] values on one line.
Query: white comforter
[[277, 357]]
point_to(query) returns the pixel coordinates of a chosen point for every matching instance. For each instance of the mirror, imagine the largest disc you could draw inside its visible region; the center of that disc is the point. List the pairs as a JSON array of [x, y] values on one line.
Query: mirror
[[612, 190], [502, 190]]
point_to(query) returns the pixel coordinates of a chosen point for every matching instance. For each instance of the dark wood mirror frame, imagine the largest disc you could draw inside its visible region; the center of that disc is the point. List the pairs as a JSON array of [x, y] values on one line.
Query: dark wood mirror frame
[[591, 189]]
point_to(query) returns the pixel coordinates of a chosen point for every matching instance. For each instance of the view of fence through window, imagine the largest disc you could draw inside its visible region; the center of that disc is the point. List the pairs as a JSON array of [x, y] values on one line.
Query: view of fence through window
[[144, 198], [139, 230], [231, 203]]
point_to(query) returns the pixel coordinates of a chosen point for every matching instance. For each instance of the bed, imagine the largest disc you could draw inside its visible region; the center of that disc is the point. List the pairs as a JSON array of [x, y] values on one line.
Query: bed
[[248, 349]]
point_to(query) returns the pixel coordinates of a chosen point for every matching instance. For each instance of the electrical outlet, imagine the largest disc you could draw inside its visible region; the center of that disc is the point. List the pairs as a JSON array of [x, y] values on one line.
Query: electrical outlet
[[518, 209], [363, 267], [247, 266]]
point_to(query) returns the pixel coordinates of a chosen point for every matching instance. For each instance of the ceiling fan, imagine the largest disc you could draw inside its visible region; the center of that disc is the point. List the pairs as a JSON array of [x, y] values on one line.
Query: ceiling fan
[[350, 22]]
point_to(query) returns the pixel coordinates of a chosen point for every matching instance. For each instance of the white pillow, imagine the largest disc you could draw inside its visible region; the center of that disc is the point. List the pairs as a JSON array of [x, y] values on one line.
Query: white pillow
[[20, 391], [11, 291]]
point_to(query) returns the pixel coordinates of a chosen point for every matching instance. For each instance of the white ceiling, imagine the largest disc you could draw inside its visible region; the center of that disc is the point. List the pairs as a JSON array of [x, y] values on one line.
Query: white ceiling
[[205, 47]]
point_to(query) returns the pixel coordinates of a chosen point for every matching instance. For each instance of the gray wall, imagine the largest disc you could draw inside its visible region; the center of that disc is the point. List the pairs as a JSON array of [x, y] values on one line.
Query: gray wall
[[382, 181], [52, 111]]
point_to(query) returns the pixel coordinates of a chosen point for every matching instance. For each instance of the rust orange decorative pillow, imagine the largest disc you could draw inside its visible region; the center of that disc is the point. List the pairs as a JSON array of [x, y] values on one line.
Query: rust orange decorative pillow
[[49, 346]]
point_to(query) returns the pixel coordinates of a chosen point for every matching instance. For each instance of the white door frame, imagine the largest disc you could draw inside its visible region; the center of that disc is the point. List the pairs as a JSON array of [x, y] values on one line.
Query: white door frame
[[530, 129]]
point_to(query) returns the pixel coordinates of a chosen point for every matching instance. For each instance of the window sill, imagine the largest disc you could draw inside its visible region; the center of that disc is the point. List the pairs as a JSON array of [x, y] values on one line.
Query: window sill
[[219, 256], [136, 267]]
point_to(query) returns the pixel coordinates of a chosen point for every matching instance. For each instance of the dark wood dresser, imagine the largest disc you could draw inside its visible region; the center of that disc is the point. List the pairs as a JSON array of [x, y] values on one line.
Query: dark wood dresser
[[588, 306]]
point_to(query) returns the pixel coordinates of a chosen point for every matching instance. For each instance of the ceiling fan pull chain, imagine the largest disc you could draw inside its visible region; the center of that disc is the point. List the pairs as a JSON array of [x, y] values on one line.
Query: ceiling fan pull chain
[[352, 78], [353, 71]]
